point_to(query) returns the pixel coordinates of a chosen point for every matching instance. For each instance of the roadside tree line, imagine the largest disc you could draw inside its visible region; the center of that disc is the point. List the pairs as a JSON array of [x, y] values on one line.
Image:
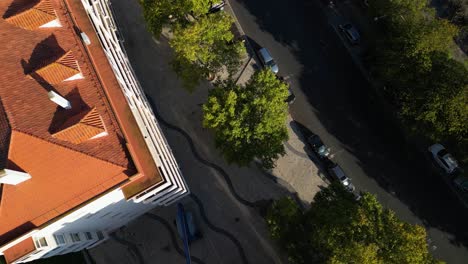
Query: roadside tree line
[[248, 120], [203, 43], [338, 229], [412, 55]]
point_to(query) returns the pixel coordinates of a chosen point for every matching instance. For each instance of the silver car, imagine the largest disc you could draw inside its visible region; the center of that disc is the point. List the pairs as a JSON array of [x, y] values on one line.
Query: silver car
[[337, 172], [443, 158], [267, 60]]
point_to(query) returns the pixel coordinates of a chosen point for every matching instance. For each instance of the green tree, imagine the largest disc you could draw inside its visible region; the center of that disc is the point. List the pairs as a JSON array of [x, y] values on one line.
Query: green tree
[[160, 13], [411, 57], [249, 122], [339, 229], [356, 253], [439, 102], [209, 43]]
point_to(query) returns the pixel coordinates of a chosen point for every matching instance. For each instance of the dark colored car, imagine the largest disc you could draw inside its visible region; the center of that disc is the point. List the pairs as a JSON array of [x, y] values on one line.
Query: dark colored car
[[217, 6], [318, 147], [351, 33], [462, 183]]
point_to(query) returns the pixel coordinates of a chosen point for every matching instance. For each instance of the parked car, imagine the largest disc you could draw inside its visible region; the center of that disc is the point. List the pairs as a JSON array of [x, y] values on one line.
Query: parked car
[[443, 158], [351, 33], [217, 6], [337, 173], [267, 60], [316, 144], [462, 183]]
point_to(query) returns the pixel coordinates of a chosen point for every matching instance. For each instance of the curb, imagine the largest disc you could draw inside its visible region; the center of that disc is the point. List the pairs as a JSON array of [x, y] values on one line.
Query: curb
[[248, 46]]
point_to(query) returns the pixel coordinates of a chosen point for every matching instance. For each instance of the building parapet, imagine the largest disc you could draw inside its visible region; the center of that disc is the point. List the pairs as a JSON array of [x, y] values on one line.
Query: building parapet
[[173, 186]]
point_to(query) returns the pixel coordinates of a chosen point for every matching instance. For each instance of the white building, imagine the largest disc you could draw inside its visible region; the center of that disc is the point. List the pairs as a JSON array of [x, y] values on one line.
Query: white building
[[81, 152]]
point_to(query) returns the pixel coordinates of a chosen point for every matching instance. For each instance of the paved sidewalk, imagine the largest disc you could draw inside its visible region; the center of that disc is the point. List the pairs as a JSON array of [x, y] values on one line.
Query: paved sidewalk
[[226, 200]]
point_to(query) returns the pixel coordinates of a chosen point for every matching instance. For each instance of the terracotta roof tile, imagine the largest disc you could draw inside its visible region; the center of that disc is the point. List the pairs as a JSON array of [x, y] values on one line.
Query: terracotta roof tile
[[148, 171], [19, 250], [88, 126], [84, 170], [53, 169], [31, 17], [60, 70]]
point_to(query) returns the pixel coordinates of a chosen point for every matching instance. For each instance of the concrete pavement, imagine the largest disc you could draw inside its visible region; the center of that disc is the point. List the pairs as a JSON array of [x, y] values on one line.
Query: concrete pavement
[[226, 199]]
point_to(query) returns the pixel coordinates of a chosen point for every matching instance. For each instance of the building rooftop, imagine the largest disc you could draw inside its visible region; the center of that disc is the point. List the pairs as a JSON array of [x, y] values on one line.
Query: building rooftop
[[72, 155]]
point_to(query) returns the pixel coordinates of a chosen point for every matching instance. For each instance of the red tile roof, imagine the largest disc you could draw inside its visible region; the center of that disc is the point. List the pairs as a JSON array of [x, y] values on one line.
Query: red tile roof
[[31, 14], [61, 179], [64, 174], [81, 128], [149, 174], [58, 71], [19, 250]]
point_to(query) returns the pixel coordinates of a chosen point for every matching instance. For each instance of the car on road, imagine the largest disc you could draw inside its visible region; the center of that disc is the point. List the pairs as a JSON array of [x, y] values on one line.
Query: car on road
[[267, 60], [217, 6], [338, 174], [462, 183], [316, 144], [443, 158], [351, 33]]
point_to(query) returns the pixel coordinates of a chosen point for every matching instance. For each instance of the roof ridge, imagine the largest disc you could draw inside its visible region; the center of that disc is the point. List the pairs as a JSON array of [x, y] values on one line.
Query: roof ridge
[[66, 147], [46, 7], [68, 60], [93, 118]]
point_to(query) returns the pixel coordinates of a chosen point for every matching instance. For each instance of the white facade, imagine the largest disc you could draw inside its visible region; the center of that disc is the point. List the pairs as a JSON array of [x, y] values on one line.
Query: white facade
[[85, 227], [90, 225], [101, 17]]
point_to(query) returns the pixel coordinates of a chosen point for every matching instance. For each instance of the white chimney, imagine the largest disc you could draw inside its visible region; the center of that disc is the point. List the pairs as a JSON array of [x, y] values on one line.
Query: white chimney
[[13, 177], [85, 38], [56, 98]]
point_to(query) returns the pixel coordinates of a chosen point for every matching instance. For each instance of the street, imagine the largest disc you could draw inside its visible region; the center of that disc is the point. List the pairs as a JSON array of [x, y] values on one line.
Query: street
[[333, 101]]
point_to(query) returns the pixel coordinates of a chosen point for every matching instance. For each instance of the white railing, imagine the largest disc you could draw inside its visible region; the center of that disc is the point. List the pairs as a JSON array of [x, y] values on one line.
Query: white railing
[[174, 186]]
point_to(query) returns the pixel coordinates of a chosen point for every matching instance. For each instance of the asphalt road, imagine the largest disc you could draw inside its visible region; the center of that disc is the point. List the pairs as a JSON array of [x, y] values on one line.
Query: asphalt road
[[333, 101]]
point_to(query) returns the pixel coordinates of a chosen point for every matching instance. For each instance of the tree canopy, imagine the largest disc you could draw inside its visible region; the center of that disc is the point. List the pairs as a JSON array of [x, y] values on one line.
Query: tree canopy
[[159, 13], [339, 229], [208, 43], [203, 43], [412, 57], [249, 121], [439, 100]]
